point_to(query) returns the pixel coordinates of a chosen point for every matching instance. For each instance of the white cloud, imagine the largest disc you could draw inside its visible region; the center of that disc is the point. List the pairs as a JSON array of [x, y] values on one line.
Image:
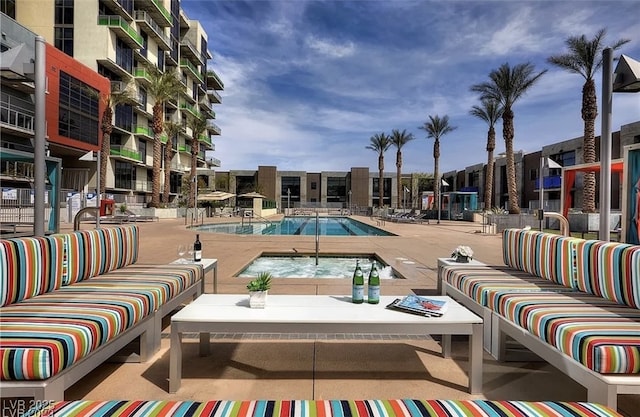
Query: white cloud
[[330, 49]]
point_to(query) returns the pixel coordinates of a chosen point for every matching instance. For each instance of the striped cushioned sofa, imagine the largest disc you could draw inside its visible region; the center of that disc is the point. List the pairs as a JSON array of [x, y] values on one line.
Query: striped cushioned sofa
[[71, 301], [322, 408], [573, 302]]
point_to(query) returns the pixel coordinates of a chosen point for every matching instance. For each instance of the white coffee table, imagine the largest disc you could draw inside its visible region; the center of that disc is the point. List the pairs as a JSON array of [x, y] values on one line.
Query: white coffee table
[[208, 264], [230, 313]]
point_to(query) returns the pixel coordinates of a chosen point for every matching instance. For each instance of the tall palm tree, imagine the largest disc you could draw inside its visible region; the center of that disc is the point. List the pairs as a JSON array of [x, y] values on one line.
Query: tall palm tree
[[585, 58], [399, 139], [506, 85], [437, 127], [380, 143], [197, 124], [171, 129], [163, 86], [489, 111], [116, 97]]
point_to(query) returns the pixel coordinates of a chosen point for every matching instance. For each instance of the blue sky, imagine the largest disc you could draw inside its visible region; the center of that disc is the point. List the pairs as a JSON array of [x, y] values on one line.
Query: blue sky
[[307, 83]]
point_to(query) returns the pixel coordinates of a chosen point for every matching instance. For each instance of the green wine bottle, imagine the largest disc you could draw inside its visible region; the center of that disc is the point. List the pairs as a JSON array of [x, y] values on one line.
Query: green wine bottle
[[357, 295], [374, 285]]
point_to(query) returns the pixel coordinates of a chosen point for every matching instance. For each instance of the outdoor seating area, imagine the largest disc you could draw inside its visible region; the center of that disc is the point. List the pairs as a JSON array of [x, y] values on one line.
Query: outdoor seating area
[[71, 301], [573, 302]]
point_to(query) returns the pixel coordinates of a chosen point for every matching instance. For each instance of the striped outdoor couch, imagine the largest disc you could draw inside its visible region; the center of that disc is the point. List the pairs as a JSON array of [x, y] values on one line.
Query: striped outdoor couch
[[71, 301], [577, 300], [322, 408]]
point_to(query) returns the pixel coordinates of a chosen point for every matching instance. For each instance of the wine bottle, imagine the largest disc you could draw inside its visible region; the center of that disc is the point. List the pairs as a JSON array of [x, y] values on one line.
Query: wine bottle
[[357, 295], [373, 296], [197, 249]]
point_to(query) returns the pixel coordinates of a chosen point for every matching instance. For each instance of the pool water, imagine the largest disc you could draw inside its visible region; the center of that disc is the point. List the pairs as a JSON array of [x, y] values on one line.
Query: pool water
[[299, 225], [305, 267]]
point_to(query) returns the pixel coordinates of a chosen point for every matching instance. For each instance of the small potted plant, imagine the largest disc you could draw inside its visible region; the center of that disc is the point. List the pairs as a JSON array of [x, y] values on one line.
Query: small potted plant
[[462, 254], [258, 289]]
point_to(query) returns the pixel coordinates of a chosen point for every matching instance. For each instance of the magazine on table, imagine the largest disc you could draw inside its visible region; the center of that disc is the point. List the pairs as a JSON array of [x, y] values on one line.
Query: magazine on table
[[420, 305]]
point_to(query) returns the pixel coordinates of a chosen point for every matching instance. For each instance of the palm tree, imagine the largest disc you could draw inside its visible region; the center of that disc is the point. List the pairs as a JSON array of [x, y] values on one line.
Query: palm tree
[[437, 127], [380, 143], [506, 85], [197, 124], [489, 111], [163, 86], [171, 129], [585, 58], [399, 139], [116, 97]]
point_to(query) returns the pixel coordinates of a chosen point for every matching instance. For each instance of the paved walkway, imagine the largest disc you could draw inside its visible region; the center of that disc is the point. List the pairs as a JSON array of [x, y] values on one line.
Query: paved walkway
[[311, 367]]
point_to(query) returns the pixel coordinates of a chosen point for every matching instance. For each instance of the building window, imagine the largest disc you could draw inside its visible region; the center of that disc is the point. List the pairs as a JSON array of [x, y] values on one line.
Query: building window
[[336, 190], [63, 26], [124, 175], [160, 59], [124, 117], [124, 55], [314, 185], [78, 110], [142, 148], [8, 7], [145, 44], [291, 184], [533, 174], [386, 190]]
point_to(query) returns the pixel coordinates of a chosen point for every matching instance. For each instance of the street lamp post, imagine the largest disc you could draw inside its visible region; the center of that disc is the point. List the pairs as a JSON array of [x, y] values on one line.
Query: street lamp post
[[627, 80], [349, 202], [288, 199], [195, 198]]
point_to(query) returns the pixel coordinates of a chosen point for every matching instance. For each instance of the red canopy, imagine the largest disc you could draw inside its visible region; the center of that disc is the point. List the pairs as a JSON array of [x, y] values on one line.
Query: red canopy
[[569, 178]]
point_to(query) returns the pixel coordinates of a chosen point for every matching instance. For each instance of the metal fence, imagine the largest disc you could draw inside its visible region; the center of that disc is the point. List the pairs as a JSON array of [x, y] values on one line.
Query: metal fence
[[17, 212]]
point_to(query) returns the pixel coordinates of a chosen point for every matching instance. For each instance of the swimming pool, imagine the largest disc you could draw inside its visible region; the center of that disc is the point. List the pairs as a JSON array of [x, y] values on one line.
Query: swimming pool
[[299, 225]]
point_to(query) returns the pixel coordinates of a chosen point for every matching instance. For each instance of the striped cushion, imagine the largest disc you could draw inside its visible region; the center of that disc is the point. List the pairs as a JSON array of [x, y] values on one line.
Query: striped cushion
[[94, 252], [483, 283], [30, 266], [544, 255], [46, 334], [157, 284], [601, 334], [322, 408], [610, 270]]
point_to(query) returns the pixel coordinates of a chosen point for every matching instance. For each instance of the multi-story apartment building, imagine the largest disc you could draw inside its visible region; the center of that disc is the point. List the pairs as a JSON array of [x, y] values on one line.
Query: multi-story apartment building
[[121, 40], [359, 186]]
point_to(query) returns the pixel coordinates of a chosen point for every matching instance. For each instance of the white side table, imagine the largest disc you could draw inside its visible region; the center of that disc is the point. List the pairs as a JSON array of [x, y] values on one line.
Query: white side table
[[442, 262], [208, 264]]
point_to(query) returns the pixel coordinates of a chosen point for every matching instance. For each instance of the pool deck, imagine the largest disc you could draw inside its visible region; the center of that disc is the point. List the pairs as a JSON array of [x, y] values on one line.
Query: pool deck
[[306, 366]]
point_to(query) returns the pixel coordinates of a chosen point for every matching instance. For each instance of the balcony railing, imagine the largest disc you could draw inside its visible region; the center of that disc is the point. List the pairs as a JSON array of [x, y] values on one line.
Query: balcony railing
[[206, 139], [185, 63], [213, 81], [190, 50], [143, 130], [212, 127], [143, 186], [16, 117], [156, 32], [120, 26], [190, 108], [213, 162], [124, 152], [213, 95], [142, 74], [156, 9]]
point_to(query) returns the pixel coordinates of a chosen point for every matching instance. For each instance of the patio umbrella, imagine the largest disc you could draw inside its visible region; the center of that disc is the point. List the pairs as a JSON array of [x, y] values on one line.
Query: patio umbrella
[[252, 194], [215, 196]]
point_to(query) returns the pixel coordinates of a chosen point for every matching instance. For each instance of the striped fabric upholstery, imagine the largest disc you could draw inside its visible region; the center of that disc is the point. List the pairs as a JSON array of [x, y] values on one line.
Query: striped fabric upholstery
[[601, 334], [95, 252], [544, 255], [610, 270], [156, 284], [322, 408], [483, 284], [29, 267], [46, 334]]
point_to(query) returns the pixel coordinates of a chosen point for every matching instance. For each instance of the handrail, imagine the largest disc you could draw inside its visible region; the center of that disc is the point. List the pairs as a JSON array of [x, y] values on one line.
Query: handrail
[[564, 223]]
